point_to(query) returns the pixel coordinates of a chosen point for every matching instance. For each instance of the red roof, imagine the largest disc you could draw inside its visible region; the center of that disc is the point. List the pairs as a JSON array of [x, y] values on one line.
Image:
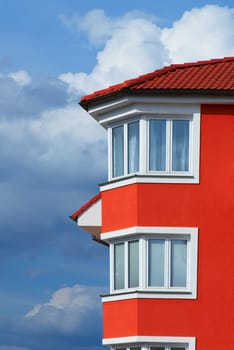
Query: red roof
[[84, 207], [210, 75]]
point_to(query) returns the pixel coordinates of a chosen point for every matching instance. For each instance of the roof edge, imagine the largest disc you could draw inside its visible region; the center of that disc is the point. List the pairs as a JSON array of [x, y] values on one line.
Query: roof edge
[[126, 85], [84, 207]]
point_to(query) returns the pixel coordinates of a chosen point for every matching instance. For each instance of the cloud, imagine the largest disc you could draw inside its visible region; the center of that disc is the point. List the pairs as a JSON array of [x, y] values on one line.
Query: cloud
[[28, 101], [21, 77], [133, 47], [95, 24], [201, 33], [44, 163], [70, 310], [135, 44]]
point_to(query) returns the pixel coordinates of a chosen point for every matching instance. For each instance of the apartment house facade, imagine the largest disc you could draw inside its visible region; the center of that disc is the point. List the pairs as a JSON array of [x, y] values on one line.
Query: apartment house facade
[[167, 209]]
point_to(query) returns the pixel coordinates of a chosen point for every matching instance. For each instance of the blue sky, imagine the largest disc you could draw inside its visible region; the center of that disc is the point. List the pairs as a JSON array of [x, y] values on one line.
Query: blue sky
[[52, 52]]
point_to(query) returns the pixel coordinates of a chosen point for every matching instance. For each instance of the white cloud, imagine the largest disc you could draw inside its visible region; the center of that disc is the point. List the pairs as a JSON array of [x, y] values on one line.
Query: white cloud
[[136, 45], [68, 310], [201, 33], [95, 24], [21, 77]]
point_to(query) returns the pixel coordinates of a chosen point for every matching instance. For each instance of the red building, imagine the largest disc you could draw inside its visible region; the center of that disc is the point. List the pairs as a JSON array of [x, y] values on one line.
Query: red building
[[167, 210]]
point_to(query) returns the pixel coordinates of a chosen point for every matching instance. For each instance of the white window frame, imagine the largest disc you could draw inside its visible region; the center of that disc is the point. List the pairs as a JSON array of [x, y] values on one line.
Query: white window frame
[[143, 234], [126, 267], [167, 176], [125, 148], [169, 125], [146, 342]]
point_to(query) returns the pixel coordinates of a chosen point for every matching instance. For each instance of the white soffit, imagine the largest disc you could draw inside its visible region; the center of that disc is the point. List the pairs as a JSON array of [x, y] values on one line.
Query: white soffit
[[91, 218]]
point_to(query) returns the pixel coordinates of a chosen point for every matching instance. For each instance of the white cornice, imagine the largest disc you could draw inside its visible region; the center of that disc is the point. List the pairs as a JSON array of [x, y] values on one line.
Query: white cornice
[[128, 106]]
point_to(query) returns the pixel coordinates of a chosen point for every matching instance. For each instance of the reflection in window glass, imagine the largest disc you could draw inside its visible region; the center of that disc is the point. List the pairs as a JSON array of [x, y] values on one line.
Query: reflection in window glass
[[180, 145], [117, 151], [157, 145], [133, 264], [133, 147], [156, 263], [157, 348], [119, 266], [178, 263]]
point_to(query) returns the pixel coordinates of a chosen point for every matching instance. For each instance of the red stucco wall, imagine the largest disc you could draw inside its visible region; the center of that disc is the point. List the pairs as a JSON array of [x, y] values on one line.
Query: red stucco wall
[[208, 206]]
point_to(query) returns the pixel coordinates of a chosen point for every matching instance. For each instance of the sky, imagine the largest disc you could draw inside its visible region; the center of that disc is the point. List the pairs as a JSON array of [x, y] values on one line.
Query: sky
[[53, 155]]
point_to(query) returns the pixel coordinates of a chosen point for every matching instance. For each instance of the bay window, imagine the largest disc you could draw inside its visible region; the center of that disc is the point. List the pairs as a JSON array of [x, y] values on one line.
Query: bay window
[[156, 260], [165, 148]]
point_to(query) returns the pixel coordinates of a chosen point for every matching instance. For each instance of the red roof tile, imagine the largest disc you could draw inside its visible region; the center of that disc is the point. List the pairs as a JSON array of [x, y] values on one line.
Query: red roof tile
[[84, 207], [210, 75]]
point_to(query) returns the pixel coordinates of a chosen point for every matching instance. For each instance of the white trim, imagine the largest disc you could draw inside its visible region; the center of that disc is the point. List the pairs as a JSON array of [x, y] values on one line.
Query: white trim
[[148, 178], [143, 234], [119, 108], [108, 236], [184, 341], [167, 294]]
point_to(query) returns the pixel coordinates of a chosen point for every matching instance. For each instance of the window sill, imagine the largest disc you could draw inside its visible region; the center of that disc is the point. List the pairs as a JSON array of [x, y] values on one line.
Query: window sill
[[175, 178], [149, 294]]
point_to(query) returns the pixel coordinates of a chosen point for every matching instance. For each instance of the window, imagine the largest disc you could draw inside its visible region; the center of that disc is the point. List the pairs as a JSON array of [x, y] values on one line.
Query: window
[[126, 274], [125, 149], [165, 148], [167, 263], [156, 259], [169, 145]]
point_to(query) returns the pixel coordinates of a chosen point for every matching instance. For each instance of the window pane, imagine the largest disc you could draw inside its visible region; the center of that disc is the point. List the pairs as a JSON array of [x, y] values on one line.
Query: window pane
[[133, 147], [117, 151], [156, 262], [180, 145], [180, 348], [133, 264], [178, 263], [135, 348], [157, 348], [119, 266], [157, 144]]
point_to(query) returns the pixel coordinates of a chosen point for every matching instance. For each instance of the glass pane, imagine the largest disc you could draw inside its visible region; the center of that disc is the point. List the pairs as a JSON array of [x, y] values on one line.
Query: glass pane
[[135, 348], [119, 266], [156, 262], [117, 151], [133, 147], [157, 145], [178, 263], [180, 145], [157, 348], [180, 348], [133, 264]]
